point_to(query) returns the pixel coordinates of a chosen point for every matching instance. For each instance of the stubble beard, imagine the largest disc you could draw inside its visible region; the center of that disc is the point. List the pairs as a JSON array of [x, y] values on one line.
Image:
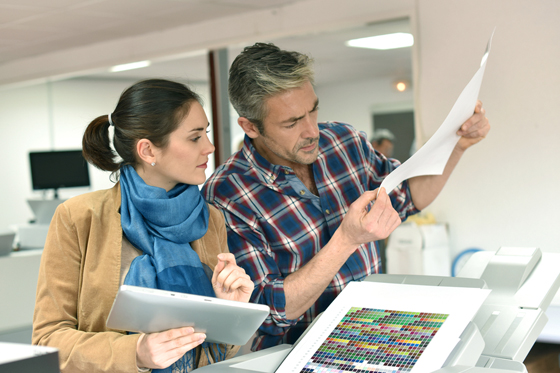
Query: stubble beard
[[307, 157], [294, 156]]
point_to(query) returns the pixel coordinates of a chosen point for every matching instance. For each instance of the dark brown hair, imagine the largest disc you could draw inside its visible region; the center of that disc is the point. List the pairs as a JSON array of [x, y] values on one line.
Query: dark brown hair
[[150, 109]]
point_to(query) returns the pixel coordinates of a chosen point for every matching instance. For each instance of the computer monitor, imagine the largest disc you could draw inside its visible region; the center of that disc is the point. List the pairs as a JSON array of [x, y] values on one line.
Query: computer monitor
[[58, 169]]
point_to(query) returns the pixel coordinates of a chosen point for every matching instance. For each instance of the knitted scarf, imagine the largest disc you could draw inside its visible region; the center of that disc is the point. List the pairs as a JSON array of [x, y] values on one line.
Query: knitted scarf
[[162, 224]]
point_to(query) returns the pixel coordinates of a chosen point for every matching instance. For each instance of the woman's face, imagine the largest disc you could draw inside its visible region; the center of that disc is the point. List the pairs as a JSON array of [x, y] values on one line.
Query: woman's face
[[185, 158]]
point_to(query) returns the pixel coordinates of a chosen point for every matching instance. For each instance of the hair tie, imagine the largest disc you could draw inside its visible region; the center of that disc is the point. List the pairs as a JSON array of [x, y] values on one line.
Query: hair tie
[[110, 120]]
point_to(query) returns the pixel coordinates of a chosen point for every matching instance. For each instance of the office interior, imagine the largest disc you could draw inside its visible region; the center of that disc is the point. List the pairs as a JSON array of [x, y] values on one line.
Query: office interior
[[503, 192]]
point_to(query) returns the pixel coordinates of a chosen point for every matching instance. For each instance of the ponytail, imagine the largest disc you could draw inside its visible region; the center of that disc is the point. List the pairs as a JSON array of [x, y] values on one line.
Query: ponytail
[[150, 109], [96, 146]]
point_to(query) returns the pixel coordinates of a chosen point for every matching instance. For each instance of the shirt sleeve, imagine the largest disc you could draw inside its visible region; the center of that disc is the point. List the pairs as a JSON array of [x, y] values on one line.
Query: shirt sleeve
[[248, 244]]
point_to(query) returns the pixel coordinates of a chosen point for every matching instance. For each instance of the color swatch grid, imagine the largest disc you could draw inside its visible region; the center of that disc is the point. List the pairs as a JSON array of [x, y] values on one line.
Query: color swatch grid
[[376, 341]]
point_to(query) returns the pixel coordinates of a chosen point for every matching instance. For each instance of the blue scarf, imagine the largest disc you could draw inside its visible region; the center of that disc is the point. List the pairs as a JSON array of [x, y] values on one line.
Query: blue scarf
[[162, 224]]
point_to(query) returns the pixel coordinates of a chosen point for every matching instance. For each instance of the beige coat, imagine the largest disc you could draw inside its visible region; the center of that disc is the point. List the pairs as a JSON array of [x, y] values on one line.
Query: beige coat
[[79, 278]]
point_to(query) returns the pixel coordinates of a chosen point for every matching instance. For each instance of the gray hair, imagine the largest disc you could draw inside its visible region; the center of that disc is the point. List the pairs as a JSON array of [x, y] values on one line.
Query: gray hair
[[382, 134], [263, 70]]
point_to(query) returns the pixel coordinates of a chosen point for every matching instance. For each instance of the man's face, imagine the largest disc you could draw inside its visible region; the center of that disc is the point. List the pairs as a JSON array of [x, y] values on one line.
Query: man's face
[[385, 147], [291, 133]]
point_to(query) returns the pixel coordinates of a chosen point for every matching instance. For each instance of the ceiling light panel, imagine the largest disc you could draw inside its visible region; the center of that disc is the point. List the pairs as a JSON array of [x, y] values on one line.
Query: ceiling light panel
[[130, 66], [383, 42]]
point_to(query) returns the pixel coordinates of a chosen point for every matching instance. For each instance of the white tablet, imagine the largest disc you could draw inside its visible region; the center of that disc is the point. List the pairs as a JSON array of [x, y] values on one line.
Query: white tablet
[[146, 310]]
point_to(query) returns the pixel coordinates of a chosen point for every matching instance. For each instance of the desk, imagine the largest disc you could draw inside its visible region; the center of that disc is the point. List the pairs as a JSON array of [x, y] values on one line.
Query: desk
[[19, 272]]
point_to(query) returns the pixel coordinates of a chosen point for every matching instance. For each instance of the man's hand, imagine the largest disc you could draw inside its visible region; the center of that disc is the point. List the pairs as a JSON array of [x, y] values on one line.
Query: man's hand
[[230, 281], [474, 129], [360, 226], [304, 286]]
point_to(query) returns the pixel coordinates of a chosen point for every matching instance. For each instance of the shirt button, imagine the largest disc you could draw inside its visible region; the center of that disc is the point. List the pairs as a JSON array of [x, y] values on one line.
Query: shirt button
[[302, 192], [286, 172], [328, 211]]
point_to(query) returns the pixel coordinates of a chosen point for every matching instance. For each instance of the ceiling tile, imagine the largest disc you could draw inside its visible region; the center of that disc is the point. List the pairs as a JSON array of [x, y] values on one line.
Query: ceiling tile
[[52, 4], [130, 8], [34, 27], [197, 12], [72, 20], [11, 14], [8, 44], [27, 34], [257, 4]]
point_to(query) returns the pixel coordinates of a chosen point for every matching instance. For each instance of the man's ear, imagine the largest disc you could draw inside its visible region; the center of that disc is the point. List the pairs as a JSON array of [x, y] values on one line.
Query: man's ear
[[248, 127], [146, 151]]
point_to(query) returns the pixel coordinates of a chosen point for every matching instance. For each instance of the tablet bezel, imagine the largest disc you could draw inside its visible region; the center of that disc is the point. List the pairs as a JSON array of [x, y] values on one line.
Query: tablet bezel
[[145, 310]]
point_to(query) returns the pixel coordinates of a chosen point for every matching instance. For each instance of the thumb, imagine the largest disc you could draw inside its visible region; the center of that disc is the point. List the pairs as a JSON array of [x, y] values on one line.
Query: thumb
[[366, 198], [381, 202], [362, 203], [217, 269]]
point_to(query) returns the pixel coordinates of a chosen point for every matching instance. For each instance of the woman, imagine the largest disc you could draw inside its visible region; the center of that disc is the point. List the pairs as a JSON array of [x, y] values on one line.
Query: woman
[[152, 229]]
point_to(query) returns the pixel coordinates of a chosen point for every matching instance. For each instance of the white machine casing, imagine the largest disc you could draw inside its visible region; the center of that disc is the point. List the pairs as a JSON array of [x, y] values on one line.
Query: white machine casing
[[523, 283], [34, 235]]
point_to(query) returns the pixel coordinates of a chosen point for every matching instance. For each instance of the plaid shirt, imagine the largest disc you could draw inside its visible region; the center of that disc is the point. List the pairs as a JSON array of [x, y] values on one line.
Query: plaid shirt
[[275, 225]]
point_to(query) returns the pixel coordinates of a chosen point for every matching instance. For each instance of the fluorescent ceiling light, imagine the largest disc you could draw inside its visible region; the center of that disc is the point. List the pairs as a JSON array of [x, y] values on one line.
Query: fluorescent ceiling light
[[388, 41], [130, 66]]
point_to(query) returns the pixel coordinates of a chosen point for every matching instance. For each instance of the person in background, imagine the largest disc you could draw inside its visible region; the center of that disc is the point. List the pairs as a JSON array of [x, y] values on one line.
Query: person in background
[[301, 198], [383, 141], [152, 229]]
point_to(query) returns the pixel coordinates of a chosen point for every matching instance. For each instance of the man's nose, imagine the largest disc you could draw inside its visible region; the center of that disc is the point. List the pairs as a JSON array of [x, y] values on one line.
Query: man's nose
[[311, 129]]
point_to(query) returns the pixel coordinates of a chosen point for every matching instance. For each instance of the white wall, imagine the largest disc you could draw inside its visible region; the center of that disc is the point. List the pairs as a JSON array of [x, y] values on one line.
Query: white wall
[[51, 116], [505, 190], [353, 102], [43, 117]]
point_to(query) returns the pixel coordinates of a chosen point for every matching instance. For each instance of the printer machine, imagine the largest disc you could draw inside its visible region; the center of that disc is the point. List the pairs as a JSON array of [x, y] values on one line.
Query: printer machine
[[523, 283]]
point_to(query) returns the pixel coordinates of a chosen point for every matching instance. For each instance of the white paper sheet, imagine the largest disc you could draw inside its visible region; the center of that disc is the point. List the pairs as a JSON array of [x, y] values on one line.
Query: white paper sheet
[[431, 158], [460, 304]]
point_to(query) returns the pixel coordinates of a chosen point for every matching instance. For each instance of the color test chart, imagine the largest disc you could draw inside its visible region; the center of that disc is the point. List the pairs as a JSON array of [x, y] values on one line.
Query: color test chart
[[377, 327], [377, 341]]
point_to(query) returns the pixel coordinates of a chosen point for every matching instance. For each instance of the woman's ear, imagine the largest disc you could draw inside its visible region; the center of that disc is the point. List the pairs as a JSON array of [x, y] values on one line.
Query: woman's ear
[[146, 151], [248, 127]]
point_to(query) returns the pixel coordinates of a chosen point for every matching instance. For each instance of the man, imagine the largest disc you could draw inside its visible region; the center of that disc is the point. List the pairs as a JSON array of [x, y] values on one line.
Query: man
[[300, 198], [383, 141]]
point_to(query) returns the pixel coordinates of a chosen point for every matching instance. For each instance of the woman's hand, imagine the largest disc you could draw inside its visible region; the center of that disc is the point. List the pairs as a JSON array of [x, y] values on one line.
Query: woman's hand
[[230, 281], [160, 350]]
